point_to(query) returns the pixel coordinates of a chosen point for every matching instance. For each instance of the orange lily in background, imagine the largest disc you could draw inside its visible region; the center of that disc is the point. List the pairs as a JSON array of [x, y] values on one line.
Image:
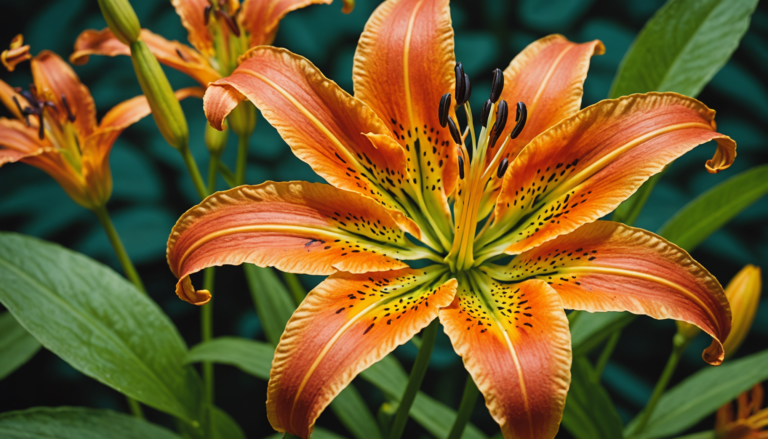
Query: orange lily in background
[[17, 53], [394, 157], [219, 30], [749, 421], [55, 129]]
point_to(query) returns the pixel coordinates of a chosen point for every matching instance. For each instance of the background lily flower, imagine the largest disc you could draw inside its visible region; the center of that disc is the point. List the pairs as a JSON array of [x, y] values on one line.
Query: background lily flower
[[219, 30], [749, 422], [16, 53], [393, 156], [55, 129]]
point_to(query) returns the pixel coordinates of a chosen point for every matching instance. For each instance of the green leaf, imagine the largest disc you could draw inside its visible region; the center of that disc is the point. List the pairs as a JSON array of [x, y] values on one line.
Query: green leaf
[[17, 345], [701, 394], [630, 209], [590, 330], [250, 356], [317, 433], [712, 209], [388, 375], [682, 47], [273, 301], [589, 412], [351, 410], [97, 322], [702, 435], [77, 423], [224, 427]]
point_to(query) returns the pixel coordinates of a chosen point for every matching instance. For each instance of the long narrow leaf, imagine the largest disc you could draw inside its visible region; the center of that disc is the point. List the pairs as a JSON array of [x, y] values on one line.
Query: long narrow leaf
[[589, 412], [273, 301], [250, 356], [17, 345]]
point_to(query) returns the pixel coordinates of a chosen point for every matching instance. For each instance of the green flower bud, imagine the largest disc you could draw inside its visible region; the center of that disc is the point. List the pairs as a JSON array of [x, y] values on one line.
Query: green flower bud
[[165, 107], [121, 19], [242, 119], [215, 140]]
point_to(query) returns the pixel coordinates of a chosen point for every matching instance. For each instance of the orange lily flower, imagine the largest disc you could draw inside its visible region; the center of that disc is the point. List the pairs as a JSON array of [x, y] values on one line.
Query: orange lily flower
[[390, 156], [17, 53], [220, 31], [749, 422], [55, 129]]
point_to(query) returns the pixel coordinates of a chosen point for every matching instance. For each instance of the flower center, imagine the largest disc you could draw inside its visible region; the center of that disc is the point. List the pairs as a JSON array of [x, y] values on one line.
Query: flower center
[[228, 40], [475, 170]]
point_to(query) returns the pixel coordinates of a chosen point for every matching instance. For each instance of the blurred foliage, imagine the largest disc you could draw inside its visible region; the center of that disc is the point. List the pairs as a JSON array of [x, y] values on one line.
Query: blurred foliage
[[152, 189]]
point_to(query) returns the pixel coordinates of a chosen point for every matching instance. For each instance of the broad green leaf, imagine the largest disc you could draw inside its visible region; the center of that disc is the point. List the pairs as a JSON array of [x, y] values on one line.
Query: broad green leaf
[[589, 412], [224, 427], [97, 322], [250, 356], [17, 345], [350, 408], [712, 209], [77, 423], [388, 375], [701, 394], [682, 47], [273, 301], [590, 330]]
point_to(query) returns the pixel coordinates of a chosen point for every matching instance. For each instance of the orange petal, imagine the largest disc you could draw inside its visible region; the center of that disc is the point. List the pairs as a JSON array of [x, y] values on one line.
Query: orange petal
[[21, 143], [171, 53], [548, 76], [296, 226], [516, 344], [404, 63], [325, 126], [7, 93], [54, 78], [347, 323], [193, 19], [262, 17], [607, 266], [582, 168]]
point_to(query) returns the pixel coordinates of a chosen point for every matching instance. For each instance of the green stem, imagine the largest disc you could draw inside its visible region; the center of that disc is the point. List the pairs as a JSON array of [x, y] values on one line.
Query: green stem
[[194, 172], [117, 245], [679, 343], [135, 407], [227, 174], [294, 286], [606, 355], [242, 159], [213, 168], [417, 376], [468, 401], [206, 331]]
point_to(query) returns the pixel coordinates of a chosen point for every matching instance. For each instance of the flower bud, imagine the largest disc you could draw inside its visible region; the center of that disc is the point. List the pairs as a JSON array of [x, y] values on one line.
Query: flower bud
[[349, 6], [242, 120], [743, 293], [165, 107], [121, 19], [215, 140]]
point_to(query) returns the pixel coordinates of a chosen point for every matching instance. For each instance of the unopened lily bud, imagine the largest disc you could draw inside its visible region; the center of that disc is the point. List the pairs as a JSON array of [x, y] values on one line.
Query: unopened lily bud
[[242, 120], [165, 107], [215, 140], [121, 19], [743, 293]]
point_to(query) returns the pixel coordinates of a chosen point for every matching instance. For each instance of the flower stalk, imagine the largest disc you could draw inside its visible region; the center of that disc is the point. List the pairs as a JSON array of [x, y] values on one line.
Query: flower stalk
[[468, 400], [117, 244]]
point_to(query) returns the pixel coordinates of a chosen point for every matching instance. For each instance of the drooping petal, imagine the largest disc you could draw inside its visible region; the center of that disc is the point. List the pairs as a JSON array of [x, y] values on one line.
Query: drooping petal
[[296, 226], [582, 168], [404, 63], [21, 143], [171, 53], [262, 17], [607, 266], [55, 79], [325, 126], [347, 323], [516, 344], [192, 13], [548, 77]]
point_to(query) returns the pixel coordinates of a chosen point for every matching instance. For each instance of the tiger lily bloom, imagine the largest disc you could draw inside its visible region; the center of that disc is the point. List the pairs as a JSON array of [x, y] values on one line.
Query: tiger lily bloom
[[219, 30], [55, 129], [399, 257], [749, 421]]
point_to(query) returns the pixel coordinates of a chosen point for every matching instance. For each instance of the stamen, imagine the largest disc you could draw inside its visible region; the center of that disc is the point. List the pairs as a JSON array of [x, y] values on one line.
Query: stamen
[[24, 111], [444, 109], [497, 86], [41, 131], [207, 14], [501, 122], [459, 92], [70, 116], [521, 117], [502, 167], [229, 21], [467, 89], [454, 131], [181, 55], [461, 167], [485, 112]]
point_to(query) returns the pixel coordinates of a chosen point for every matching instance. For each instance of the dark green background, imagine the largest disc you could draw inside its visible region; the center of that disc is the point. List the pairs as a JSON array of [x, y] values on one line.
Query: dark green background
[[151, 187]]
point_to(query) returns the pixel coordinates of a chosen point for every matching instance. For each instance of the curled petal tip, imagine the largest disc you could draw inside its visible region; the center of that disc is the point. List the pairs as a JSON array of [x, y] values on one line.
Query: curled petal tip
[[186, 292], [219, 100], [714, 354], [724, 156], [349, 6]]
